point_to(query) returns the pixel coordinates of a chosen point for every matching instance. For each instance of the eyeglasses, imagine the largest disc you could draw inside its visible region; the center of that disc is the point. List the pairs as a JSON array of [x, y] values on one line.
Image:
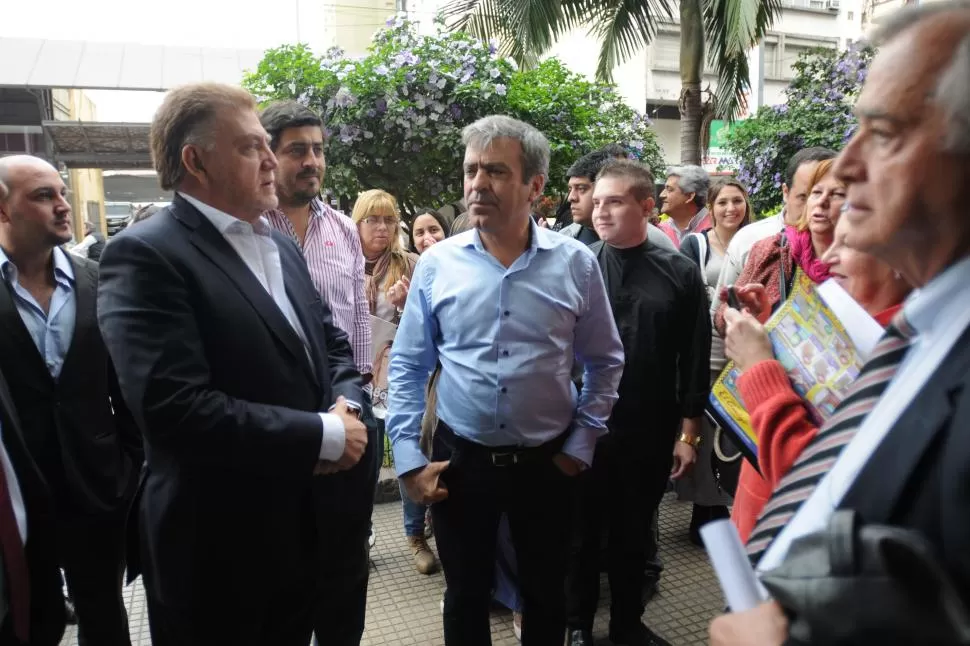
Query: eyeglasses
[[374, 220]]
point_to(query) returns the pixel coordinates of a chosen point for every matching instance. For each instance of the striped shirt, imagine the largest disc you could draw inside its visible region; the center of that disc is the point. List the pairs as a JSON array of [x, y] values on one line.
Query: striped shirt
[[336, 263]]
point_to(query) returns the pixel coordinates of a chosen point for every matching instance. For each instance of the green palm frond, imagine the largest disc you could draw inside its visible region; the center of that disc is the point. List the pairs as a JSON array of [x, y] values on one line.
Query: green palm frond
[[525, 29], [733, 27], [625, 27]]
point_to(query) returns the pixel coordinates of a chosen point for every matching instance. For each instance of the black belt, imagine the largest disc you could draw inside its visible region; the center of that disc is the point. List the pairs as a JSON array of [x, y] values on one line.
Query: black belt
[[504, 456]]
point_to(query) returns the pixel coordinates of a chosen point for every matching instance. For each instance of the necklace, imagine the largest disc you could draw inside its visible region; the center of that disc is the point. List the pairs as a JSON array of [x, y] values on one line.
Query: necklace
[[719, 241]]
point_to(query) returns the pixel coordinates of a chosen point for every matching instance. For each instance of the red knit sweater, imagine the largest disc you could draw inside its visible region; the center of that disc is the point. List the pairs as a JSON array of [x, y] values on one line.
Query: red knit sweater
[[784, 428]]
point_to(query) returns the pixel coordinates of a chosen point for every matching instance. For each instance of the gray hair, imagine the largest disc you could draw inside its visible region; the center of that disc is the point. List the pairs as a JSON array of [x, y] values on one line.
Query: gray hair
[[952, 89], [535, 146], [693, 179]]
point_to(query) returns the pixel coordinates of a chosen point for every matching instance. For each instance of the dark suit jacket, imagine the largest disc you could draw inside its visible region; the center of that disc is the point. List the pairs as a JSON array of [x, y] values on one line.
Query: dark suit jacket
[[227, 398], [46, 598], [77, 428], [919, 476]]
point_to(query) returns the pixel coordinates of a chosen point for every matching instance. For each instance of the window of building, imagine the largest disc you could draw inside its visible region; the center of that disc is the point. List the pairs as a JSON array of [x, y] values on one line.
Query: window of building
[[796, 47], [666, 50]]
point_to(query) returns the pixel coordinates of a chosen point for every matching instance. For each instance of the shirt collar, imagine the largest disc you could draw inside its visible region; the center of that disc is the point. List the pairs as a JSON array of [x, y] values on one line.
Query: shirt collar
[[63, 269], [922, 308], [225, 223], [538, 238]]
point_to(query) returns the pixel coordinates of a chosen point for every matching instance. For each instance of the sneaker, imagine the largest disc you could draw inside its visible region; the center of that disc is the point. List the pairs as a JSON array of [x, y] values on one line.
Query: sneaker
[[424, 559]]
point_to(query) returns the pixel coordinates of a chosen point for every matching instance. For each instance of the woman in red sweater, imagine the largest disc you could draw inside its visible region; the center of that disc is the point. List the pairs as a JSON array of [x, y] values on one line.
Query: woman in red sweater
[[798, 246], [778, 416]]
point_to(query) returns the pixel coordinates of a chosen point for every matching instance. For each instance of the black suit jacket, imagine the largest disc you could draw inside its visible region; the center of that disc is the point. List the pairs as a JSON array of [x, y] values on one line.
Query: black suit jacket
[[228, 401], [919, 476], [77, 428], [46, 598]]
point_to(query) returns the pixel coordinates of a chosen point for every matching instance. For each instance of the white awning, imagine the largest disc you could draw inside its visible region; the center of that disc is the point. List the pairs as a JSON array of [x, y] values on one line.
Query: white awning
[[32, 62]]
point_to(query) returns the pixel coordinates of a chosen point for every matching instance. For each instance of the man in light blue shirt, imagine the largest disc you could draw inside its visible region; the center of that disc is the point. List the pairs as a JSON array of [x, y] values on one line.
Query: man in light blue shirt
[[506, 308]]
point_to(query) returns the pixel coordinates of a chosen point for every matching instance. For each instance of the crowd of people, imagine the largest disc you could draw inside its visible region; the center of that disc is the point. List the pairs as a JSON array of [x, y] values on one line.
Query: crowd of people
[[206, 405]]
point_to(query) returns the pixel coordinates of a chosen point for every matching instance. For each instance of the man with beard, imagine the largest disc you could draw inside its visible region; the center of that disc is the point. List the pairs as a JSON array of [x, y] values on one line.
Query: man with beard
[[77, 428], [331, 247]]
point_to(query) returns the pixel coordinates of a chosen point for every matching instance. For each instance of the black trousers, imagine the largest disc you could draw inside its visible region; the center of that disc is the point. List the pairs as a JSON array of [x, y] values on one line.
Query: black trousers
[[619, 494], [341, 604], [538, 499], [281, 617], [92, 554]]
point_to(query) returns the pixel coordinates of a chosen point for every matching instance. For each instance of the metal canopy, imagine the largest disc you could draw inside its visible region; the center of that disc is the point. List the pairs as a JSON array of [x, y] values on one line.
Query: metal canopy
[[88, 144]]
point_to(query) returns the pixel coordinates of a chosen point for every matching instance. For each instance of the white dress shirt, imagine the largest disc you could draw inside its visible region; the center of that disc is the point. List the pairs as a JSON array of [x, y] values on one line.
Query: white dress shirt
[[939, 314], [258, 250]]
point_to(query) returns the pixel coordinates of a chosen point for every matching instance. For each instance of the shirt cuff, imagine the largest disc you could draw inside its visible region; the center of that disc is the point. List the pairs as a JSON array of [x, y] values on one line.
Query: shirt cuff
[[352, 405], [334, 437], [581, 444]]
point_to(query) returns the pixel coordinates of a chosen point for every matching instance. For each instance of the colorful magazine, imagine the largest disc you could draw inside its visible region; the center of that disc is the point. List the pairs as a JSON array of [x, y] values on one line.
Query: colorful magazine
[[816, 351]]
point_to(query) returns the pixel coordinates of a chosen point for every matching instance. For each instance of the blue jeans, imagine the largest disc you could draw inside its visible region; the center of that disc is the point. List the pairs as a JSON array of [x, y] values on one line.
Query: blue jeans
[[413, 514]]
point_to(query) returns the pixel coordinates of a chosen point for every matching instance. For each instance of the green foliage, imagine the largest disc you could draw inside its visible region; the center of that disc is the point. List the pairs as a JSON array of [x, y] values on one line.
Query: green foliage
[[394, 117], [818, 113], [577, 117]]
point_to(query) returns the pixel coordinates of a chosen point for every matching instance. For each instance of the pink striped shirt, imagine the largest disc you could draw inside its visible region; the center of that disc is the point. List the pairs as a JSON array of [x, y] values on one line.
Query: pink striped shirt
[[336, 263]]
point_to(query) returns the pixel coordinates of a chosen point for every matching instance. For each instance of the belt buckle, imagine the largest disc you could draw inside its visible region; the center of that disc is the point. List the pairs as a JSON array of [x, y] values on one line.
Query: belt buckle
[[504, 459]]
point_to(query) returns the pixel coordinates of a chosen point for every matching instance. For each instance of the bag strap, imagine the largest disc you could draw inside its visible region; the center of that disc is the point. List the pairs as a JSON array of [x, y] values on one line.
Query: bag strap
[[782, 279]]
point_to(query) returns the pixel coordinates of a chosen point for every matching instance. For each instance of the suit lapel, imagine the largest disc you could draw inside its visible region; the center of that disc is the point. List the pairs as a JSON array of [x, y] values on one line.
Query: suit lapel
[[874, 494], [301, 305], [85, 315], [210, 242]]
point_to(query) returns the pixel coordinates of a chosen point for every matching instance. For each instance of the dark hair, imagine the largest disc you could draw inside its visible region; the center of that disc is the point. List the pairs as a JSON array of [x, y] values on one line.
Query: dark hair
[[283, 115], [442, 220], [637, 173], [589, 164], [804, 156]]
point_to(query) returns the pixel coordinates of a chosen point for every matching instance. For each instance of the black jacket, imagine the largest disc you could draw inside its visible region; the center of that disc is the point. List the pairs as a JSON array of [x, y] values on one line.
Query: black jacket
[[228, 401], [77, 428], [46, 597]]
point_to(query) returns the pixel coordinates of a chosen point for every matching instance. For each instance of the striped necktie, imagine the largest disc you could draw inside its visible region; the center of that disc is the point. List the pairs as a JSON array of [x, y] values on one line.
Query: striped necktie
[[819, 456]]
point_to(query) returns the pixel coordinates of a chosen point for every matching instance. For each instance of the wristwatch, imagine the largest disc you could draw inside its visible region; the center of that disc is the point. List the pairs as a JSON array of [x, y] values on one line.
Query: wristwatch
[[687, 439]]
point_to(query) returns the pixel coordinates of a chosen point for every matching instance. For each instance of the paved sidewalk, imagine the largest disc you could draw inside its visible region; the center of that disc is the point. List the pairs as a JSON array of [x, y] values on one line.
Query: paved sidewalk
[[403, 606]]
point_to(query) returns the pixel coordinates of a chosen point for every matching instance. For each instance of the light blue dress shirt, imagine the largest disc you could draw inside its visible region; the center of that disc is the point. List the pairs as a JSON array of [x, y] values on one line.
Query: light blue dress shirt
[[507, 340], [53, 330]]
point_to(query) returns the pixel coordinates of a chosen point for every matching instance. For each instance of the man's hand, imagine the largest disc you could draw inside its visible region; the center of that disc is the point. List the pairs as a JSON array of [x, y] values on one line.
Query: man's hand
[[764, 625], [424, 485], [355, 435], [685, 456], [745, 339], [569, 465]]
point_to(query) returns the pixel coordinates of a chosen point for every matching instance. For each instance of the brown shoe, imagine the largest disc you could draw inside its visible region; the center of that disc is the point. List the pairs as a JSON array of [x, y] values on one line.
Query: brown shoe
[[424, 559]]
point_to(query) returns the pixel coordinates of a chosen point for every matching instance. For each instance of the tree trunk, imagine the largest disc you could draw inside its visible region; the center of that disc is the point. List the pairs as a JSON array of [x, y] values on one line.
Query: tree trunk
[[691, 74]]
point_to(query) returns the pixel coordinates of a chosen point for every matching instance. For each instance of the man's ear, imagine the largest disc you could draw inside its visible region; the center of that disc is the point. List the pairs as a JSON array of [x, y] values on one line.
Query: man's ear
[[648, 205], [784, 193], [192, 161], [536, 187]]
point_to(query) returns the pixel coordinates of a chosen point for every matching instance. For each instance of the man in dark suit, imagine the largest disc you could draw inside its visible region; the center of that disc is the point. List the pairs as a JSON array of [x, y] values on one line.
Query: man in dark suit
[[899, 453], [22, 487], [228, 360], [76, 425]]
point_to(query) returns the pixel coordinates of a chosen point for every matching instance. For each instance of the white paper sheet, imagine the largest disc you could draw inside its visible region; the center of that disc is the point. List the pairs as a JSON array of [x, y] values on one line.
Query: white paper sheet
[[860, 326], [742, 590]]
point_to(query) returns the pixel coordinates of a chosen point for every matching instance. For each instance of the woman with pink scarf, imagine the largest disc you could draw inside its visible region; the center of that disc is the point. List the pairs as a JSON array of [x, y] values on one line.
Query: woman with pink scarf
[[773, 261]]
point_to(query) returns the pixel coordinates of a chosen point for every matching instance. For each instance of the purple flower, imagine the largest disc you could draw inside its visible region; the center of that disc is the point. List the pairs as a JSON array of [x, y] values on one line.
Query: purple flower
[[381, 106], [381, 70], [494, 72], [456, 111], [500, 89], [492, 46]]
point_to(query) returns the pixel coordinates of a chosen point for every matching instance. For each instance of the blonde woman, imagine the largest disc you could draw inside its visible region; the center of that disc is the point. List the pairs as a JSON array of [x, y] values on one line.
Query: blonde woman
[[387, 275]]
